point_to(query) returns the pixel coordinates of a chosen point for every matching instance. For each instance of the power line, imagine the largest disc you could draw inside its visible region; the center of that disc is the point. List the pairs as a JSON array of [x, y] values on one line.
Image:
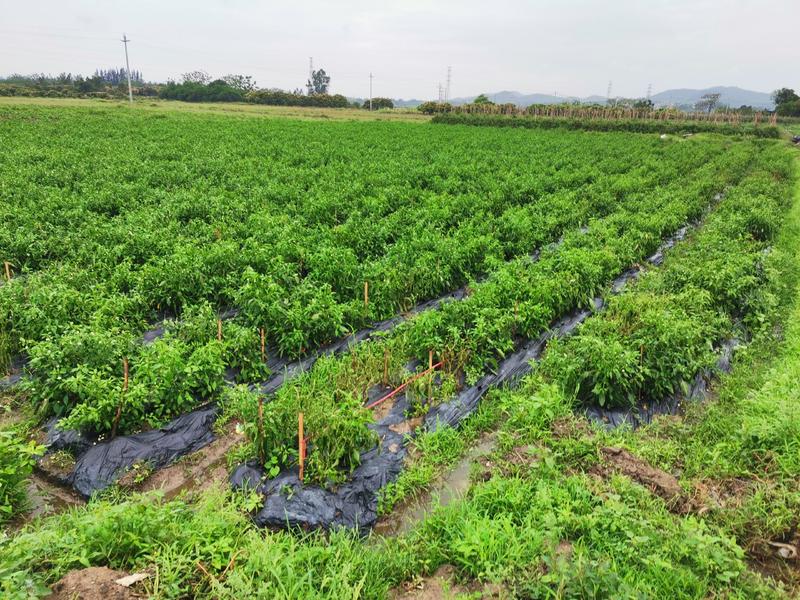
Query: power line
[[125, 41]]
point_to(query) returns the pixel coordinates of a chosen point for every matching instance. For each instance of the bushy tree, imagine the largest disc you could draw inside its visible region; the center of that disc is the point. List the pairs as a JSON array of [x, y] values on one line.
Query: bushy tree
[[118, 76], [482, 99], [198, 76], [243, 83], [789, 109], [784, 95], [707, 103], [276, 97], [192, 91], [378, 103], [431, 108], [319, 83], [787, 102]]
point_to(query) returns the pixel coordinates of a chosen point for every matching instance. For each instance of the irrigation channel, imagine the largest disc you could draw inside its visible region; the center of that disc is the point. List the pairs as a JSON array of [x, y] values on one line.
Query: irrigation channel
[[353, 504]]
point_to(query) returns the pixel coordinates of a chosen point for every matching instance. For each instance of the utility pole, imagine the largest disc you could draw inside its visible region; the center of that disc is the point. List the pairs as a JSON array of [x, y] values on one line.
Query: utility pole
[[125, 41], [447, 89], [370, 91]]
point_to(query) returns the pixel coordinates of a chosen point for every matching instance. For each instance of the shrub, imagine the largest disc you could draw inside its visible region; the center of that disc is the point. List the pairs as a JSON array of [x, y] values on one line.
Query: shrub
[[17, 458]]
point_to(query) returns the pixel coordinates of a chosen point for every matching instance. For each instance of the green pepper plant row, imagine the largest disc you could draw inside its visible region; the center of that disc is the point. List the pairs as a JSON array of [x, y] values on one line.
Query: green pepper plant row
[[115, 218], [655, 337], [517, 301]]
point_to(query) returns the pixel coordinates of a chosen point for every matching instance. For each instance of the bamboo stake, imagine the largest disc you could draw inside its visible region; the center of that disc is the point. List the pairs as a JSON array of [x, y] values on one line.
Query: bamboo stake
[[125, 374], [385, 366], [122, 398], [366, 294], [261, 455], [263, 345], [430, 381], [8, 270], [301, 444], [219, 330]]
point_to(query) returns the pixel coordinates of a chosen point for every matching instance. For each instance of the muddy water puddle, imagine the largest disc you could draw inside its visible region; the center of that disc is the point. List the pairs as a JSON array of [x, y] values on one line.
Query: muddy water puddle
[[45, 498], [449, 488], [197, 471]]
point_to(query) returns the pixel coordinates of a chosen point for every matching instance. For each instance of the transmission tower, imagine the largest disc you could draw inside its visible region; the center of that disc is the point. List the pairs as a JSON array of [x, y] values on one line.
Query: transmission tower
[[608, 92], [447, 89], [649, 90]]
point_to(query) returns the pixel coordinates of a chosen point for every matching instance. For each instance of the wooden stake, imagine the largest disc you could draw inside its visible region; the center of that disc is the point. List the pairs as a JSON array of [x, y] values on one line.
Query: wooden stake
[[430, 376], [366, 294], [301, 444], [219, 330], [261, 455], [385, 366], [122, 397], [8, 270], [263, 345], [125, 374]]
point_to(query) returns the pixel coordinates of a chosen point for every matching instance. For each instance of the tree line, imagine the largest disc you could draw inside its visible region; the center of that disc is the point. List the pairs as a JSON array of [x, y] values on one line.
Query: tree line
[[193, 86]]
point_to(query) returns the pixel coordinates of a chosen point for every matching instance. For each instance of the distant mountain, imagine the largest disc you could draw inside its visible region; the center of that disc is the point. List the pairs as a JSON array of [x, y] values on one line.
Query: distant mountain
[[517, 98], [412, 103], [679, 98], [594, 100], [731, 96], [682, 98], [398, 102]]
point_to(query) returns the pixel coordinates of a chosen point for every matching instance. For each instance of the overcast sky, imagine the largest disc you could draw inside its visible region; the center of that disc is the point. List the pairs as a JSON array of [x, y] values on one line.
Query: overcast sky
[[573, 47]]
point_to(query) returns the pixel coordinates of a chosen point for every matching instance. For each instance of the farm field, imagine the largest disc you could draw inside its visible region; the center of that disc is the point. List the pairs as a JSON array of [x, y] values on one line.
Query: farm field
[[162, 260], [155, 105]]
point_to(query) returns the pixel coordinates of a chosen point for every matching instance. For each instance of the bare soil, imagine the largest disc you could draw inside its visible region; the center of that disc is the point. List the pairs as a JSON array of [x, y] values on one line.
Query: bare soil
[[406, 426], [571, 427], [94, 583], [661, 483], [779, 561], [442, 586]]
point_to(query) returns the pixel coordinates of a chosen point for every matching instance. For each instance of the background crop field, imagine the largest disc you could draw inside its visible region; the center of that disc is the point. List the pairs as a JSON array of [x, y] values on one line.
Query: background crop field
[[114, 219]]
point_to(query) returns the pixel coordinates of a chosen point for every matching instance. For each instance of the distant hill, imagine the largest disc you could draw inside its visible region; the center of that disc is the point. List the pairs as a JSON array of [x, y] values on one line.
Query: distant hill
[[682, 98], [398, 102], [679, 98], [731, 96], [517, 98]]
